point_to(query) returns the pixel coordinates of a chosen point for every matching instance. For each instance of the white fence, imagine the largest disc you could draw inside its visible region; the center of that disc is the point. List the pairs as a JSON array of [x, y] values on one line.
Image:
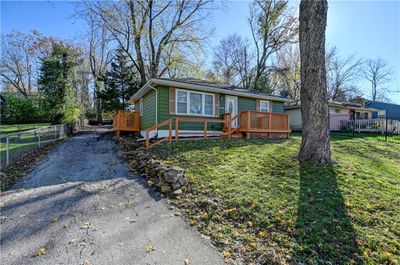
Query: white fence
[[344, 122], [378, 125], [18, 144]]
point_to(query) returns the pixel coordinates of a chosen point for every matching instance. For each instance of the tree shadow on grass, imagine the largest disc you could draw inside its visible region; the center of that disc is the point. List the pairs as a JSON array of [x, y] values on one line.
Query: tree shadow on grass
[[324, 232]]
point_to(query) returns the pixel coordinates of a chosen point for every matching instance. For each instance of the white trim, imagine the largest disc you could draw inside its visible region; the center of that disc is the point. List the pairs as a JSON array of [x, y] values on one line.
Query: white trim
[[156, 102], [141, 107], [185, 85], [165, 133], [268, 105], [203, 99]]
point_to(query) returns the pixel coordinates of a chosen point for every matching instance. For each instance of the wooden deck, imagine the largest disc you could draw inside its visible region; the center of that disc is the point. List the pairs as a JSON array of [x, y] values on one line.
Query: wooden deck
[[249, 124], [126, 121]]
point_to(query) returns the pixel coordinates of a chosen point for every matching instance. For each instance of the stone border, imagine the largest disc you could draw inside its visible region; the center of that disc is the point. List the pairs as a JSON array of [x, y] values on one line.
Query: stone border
[[166, 179]]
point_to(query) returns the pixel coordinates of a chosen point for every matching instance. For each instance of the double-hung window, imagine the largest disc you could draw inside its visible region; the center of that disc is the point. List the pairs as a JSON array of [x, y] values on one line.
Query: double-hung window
[[264, 106], [194, 103]]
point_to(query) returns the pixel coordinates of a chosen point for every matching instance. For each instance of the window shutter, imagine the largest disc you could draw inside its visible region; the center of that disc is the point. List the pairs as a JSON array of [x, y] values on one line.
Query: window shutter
[[257, 105], [270, 106], [216, 104], [172, 100]]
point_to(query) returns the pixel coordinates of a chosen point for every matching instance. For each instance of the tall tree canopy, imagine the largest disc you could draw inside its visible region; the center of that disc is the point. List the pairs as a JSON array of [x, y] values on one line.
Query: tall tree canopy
[[315, 145], [154, 34], [121, 82], [58, 83], [19, 60]]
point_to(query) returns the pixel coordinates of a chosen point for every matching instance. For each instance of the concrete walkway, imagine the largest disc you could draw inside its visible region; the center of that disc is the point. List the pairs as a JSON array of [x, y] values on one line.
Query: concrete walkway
[[81, 205]]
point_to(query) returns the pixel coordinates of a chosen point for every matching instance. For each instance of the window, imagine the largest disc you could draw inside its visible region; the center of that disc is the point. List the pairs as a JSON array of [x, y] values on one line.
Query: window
[[194, 103], [334, 111], [264, 106], [141, 106], [209, 105], [181, 101]]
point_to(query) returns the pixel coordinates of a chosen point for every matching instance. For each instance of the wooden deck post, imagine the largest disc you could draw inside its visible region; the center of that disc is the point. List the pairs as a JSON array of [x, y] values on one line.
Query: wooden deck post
[[170, 131], [248, 119], [229, 127], [205, 129], [176, 130]]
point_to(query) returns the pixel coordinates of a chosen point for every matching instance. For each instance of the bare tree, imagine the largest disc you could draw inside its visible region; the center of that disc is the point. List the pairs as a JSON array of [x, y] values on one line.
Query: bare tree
[[97, 51], [377, 73], [342, 75], [146, 29], [19, 62], [315, 145], [286, 72], [272, 27]]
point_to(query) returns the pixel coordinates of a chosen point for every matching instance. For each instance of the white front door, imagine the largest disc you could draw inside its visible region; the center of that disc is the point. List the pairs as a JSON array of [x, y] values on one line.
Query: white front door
[[231, 106]]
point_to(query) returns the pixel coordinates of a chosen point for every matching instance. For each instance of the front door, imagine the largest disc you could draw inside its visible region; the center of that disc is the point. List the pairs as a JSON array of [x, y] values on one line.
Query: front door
[[231, 107]]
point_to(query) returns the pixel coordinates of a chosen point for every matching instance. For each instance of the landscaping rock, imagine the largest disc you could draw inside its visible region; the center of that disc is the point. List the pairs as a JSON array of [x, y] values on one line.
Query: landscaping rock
[[178, 192], [166, 179]]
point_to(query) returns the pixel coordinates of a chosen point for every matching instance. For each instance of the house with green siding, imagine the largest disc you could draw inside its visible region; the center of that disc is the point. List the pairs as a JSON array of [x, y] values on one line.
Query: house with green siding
[[161, 99]]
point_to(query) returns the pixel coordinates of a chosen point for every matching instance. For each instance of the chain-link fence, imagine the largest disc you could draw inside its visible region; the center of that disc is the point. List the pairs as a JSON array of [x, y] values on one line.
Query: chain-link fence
[[15, 145]]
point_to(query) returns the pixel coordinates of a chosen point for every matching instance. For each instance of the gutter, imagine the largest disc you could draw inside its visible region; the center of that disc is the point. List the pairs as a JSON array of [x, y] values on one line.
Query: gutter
[[155, 89], [142, 91]]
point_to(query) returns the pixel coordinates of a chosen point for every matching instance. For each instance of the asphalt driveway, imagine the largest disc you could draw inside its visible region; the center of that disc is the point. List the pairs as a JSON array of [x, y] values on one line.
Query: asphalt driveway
[[81, 205]]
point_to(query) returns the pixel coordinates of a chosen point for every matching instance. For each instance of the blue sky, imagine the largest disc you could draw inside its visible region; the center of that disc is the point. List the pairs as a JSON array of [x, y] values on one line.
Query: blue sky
[[368, 29]]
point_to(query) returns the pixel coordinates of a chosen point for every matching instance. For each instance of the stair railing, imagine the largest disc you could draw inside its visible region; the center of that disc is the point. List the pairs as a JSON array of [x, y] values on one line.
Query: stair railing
[[155, 127]]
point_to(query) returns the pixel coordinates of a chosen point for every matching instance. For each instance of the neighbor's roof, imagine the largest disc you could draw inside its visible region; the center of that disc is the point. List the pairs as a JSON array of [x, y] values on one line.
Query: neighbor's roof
[[203, 85], [335, 104]]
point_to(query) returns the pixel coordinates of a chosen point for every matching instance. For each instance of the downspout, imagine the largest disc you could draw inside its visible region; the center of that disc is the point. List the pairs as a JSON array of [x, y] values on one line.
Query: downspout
[[155, 89]]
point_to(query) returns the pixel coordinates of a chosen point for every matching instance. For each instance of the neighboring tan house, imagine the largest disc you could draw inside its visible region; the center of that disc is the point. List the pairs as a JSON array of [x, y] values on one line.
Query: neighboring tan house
[[339, 111], [195, 107]]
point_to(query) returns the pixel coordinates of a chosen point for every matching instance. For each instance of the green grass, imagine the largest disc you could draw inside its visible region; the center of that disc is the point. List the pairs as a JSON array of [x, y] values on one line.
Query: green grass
[[6, 129], [273, 210], [19, 144]]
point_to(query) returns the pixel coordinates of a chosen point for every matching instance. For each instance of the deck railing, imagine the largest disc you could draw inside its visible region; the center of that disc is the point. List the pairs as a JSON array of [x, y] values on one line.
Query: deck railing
[[125, 120], [256, 121], [246, 122]]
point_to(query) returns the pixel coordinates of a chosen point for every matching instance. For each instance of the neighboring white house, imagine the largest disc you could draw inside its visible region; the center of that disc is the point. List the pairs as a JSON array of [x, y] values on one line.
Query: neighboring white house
[[339, 111]]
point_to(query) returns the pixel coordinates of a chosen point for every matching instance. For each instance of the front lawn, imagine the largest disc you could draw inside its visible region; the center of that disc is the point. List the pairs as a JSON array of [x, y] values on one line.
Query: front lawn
[[259, 205]]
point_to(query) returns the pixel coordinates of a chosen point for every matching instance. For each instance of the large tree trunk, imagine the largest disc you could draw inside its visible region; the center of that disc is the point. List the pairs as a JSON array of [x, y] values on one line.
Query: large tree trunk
[[315, 146]]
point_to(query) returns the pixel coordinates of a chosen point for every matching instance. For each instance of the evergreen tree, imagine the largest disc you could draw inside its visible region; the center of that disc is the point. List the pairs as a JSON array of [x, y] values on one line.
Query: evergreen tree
[[121, 82], [56, 83]]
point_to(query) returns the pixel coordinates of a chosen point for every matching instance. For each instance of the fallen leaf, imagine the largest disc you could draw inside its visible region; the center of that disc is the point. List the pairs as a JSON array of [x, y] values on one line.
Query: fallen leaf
[[231, 210], [41, 252], [129, 203], [86, 226], [150, 248], [227, 255], [263, 234]]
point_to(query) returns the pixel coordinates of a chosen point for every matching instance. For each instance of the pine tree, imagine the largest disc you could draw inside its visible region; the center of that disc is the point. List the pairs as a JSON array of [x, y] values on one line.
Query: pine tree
[[121, 82]]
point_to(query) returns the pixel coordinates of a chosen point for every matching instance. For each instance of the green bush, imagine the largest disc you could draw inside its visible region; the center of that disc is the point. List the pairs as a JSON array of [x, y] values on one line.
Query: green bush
[[18, 109]]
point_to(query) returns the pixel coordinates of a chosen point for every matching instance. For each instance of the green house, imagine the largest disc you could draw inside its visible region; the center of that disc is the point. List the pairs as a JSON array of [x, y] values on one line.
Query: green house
[[161, 99]]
